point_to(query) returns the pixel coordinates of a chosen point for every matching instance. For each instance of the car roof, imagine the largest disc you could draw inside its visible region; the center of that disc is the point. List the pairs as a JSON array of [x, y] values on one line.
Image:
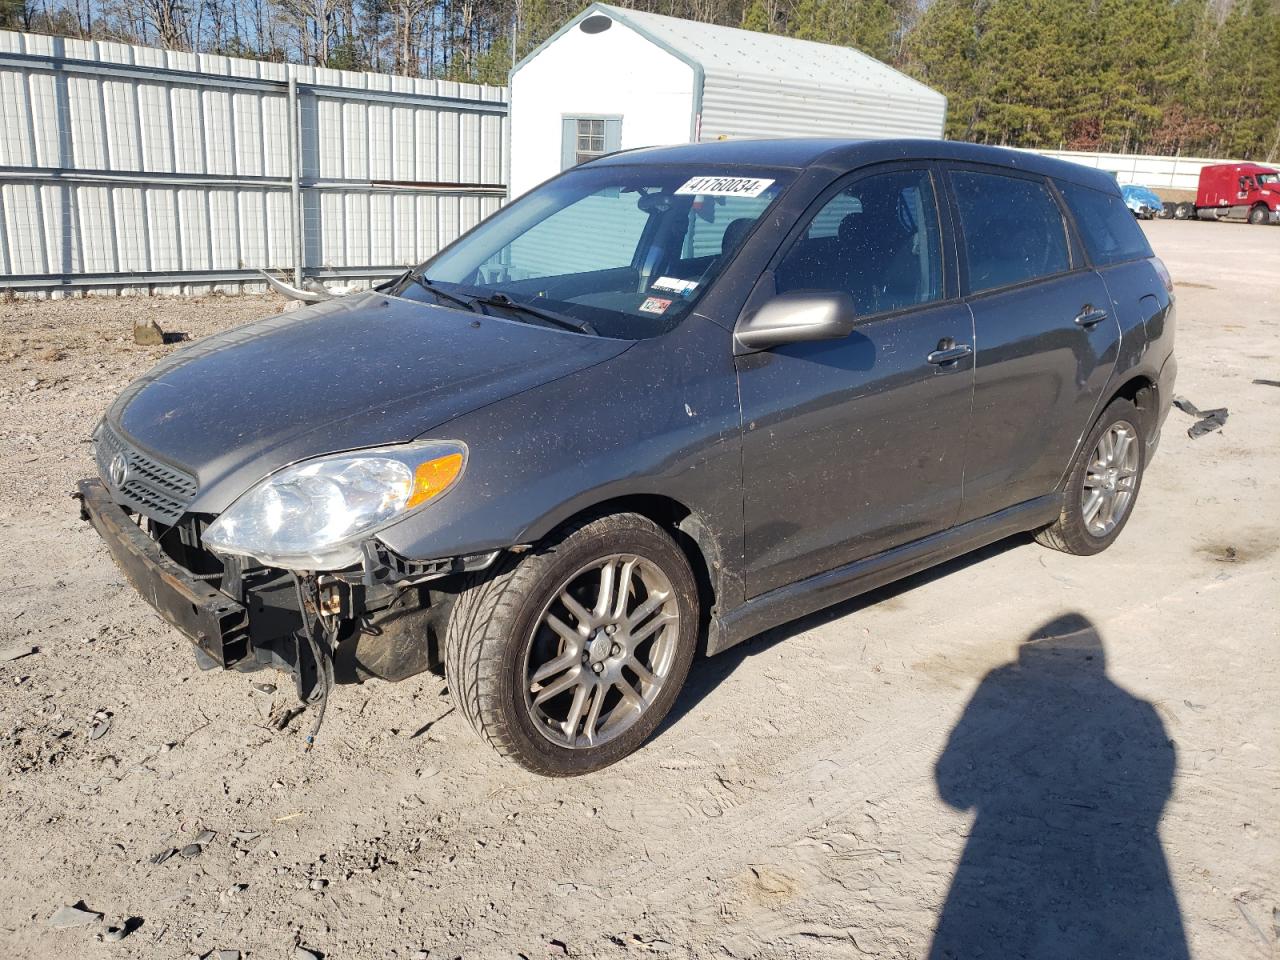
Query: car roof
[[840, 154]]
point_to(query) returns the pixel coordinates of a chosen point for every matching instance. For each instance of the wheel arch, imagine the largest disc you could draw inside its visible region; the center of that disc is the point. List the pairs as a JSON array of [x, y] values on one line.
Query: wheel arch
[[1140, 390], [690, 531]]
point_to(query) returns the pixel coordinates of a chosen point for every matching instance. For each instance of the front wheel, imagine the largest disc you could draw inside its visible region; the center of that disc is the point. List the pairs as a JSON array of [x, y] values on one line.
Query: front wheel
[[1102, 485], [1259, 215], [566, 659]]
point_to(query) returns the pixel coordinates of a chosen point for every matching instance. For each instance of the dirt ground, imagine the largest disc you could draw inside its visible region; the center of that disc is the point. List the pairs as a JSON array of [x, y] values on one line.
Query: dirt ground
[[830, 789]]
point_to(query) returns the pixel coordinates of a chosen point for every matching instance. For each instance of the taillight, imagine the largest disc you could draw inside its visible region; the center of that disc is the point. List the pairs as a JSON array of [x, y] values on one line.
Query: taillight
[[1164, 273]]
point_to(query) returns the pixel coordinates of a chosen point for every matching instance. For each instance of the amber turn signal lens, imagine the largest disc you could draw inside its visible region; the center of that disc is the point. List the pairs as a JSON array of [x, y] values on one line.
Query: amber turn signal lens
[[434, 477]]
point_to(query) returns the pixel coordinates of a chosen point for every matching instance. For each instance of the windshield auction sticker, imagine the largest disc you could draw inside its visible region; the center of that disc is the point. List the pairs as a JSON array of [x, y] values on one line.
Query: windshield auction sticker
[[724, 187], [675, 284]]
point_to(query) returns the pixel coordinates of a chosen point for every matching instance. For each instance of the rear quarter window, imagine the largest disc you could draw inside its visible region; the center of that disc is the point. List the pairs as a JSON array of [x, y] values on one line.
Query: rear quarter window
[[1013, 229], [1108, 229]]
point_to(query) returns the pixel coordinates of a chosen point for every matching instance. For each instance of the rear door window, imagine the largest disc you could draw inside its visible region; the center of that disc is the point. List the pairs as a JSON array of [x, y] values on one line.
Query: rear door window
[[1013, 229], [1108, 229]]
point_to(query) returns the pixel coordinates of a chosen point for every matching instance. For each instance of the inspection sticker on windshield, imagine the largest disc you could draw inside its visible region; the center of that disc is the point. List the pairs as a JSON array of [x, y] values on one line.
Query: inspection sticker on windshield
[[725, 187], [655, 305]]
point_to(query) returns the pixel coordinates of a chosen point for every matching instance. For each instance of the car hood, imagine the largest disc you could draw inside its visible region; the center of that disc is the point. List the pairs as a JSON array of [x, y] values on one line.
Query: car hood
[[354, 372]]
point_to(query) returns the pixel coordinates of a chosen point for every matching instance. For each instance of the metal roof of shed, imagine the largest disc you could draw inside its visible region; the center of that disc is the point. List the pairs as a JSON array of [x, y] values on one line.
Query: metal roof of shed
[[730, 52]]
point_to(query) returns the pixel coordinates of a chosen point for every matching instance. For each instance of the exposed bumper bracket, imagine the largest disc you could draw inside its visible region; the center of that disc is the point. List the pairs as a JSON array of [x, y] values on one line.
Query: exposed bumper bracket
[[216, 623]]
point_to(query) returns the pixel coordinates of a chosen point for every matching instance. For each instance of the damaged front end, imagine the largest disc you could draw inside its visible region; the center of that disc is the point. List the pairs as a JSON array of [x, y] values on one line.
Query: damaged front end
[[384, 618]]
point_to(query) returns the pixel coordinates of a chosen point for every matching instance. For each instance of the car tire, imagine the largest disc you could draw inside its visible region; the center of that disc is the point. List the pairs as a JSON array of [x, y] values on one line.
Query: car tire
[[501, 634], [1259, 215], [1183, 211], [1103, 484]]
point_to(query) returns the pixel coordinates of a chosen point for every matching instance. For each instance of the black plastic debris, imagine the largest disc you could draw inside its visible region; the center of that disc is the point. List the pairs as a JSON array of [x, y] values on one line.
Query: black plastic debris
[[1268, 383], [1207, 421]]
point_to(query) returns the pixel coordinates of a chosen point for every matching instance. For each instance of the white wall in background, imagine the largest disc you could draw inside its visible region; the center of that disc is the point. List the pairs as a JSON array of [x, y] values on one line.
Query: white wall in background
[[1179, 173]]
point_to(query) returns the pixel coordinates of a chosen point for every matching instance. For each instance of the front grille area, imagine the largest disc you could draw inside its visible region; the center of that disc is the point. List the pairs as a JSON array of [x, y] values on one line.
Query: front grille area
[[154, 489]]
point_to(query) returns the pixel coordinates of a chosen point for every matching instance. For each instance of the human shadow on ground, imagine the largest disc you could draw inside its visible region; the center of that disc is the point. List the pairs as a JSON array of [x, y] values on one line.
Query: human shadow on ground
[[1067, 774]]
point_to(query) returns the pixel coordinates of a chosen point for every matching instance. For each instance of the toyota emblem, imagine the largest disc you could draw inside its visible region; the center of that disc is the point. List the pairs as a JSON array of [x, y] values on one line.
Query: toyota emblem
[[118, 470]]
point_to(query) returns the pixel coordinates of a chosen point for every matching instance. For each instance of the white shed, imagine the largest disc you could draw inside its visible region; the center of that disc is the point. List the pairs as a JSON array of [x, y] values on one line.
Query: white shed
[[612, 79]]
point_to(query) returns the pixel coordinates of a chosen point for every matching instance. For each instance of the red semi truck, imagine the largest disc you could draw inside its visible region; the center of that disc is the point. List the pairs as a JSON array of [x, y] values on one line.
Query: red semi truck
[[1235, 191]]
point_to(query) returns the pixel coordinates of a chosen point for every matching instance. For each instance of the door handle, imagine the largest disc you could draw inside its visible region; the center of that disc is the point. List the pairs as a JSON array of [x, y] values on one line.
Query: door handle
[[1089, 316], [950, 354]]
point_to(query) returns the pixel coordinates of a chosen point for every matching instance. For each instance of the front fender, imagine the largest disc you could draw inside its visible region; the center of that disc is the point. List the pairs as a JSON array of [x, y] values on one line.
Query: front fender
[[660, 420]]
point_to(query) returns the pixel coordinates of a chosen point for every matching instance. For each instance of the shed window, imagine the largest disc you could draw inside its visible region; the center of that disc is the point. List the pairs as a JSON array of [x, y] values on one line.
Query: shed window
[[590, 140], [585, 138]]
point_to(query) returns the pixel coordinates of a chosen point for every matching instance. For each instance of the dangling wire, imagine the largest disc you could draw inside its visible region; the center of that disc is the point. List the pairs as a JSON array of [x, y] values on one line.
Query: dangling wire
[[321, 653]]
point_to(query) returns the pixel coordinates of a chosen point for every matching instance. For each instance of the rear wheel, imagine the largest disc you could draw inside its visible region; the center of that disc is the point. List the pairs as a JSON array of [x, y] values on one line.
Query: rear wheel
[[567, 658], [1102, 486], [1259, 214], [1184, 211]]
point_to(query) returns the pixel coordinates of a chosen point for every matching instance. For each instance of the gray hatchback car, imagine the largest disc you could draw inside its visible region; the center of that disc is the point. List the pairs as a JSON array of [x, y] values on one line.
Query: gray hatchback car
[[665, 401]]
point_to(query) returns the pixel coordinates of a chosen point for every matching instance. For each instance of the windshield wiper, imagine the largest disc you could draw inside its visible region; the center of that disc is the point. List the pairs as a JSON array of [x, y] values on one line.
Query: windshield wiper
[[440, 293], [556, 319], [500, 300]]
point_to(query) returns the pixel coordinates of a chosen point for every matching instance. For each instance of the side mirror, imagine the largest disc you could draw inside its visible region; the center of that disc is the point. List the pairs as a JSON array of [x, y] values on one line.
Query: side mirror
[[795, 316]]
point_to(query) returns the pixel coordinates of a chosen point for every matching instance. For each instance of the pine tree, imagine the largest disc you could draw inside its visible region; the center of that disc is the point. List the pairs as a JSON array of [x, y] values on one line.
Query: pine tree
[[867, 25], [13, 14], [942, 51], [1241, 88]]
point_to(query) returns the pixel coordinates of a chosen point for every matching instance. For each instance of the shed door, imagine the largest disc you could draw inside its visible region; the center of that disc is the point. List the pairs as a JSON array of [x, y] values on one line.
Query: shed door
[[585, 138]]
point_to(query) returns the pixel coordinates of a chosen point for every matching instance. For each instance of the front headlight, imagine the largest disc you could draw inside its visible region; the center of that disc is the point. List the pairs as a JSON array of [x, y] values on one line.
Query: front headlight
[[313, 515]]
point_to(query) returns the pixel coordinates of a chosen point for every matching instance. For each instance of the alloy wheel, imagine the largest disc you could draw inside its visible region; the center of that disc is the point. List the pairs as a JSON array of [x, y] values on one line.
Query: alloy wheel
[[1111, 479], [600, 651]]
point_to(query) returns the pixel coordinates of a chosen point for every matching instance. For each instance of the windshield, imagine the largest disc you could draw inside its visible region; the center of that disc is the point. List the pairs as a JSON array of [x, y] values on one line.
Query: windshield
[[1268, 179], [627, 249]]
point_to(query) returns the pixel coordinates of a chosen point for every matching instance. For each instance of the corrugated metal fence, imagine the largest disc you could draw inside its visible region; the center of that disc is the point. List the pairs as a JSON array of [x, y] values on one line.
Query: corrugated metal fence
[[125, 166]]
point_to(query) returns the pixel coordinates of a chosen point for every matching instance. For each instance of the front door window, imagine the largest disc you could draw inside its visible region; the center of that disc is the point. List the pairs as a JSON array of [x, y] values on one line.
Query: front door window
[[878, 240]]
